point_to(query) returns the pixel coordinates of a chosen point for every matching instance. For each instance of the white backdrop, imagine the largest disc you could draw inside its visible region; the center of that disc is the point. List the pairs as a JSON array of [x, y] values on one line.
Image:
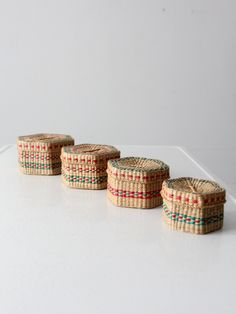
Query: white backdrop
[[119, 71]]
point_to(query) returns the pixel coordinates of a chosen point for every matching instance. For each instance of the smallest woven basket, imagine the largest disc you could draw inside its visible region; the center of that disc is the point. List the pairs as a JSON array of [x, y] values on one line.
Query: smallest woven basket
[[136, 182], [39, 154], [84, 166], [193, 205]]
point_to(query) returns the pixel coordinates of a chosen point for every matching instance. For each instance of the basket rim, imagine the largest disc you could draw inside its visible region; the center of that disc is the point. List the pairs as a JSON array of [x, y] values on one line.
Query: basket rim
[[169, 184], [75, 150], [44, 138], [116, 164]]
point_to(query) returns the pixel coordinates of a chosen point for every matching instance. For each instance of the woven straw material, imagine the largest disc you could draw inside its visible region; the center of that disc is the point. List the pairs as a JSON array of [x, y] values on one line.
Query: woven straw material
[[193, 205], [136, 182], [39, 154], [84, 166]]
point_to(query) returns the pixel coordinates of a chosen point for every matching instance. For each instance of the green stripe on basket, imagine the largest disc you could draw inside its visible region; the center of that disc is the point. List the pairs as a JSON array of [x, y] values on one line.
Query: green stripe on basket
[[84, 179], [41, 166], [191, 220]]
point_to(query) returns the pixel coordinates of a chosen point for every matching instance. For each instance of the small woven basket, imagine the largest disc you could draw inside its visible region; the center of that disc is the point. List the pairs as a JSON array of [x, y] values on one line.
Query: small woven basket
[[84, 166], [39, 154], [193, 205], [136, 182]]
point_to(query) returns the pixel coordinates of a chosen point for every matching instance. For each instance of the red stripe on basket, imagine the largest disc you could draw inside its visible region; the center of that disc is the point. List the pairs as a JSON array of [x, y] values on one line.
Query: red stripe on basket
[[138, 177], [131, 194], [210, 200]]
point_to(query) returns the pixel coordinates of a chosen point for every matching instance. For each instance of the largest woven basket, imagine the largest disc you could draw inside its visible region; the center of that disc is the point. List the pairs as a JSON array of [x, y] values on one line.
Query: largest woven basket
[[40, 153], [136, 182], [193, 205], [84, 166]]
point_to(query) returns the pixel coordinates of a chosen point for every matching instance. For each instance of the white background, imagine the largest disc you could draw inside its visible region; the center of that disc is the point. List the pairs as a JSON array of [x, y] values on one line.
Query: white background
[[130, 72], [121, 72]]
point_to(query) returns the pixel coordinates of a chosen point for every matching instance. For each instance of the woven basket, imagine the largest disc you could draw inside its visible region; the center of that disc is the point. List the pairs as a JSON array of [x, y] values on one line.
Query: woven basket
[[84, 166], [136, 182], [40, 153], [193, 205]]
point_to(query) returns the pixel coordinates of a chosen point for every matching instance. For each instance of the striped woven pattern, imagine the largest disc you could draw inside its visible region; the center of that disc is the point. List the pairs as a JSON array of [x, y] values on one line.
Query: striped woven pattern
[[84, 166], [136, 182], [193, 205], [39, 154]]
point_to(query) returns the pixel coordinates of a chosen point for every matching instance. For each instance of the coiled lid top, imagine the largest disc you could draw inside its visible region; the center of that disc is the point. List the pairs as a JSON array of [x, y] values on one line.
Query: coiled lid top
[[138, 169], [192, 191], [43, 142], [89, 153]]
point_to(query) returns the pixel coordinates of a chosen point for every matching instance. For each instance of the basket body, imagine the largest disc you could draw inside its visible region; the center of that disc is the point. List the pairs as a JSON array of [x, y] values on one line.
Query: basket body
[[84, 166], [193, 205], [39, 154], [136, 182]]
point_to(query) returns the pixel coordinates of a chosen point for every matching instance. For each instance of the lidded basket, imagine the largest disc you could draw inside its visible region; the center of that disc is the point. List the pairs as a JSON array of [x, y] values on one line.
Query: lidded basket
[[84, 166], [39, 154], [193, 205], [136, 182]]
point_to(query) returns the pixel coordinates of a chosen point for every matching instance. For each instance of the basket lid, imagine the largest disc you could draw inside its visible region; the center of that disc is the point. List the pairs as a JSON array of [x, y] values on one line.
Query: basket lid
[[44, 141], [138, 169], [192, 191], [89, 153]]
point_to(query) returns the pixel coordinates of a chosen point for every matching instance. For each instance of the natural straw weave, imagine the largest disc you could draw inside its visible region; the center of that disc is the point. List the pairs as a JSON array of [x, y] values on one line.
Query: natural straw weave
[[40, 153], [136, 182], [84, 166], [193, 205]]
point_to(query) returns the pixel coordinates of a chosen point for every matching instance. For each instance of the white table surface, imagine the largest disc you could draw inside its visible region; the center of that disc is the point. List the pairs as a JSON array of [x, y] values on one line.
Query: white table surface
[[66, 251]]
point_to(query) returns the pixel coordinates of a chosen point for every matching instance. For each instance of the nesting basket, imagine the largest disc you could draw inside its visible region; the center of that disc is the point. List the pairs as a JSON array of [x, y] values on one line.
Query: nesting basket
[[136, 182], [193, 205], [40, 153], [84, 166]]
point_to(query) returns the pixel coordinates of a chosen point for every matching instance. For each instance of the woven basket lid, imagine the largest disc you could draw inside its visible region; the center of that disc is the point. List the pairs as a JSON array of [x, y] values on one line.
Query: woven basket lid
[[138, 169], [89, 153], [44, 141], [191, 191]]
